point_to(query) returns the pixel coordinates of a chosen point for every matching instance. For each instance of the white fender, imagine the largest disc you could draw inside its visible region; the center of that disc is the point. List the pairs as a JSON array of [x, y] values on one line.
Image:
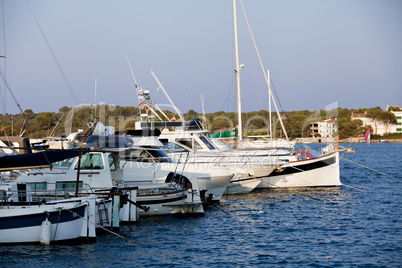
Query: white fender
[[45, 232]]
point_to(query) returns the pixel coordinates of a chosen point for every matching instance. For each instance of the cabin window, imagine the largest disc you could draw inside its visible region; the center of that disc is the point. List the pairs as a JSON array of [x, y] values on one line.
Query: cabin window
[[160, 155], [196, 145], [63, 164], [90, 161], [191, 143], [68, 185], [138, 156], [207, 142], [185, 142], [112, 163], [37, 186]]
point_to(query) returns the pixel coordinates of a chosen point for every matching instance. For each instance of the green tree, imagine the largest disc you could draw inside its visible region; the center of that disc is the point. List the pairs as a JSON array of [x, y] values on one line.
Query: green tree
[[29, 114], [190, 114]]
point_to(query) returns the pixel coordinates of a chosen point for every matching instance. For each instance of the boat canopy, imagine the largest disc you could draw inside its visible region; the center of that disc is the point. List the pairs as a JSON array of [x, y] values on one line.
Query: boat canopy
[[225, 134], [109, 141], [35, 160]]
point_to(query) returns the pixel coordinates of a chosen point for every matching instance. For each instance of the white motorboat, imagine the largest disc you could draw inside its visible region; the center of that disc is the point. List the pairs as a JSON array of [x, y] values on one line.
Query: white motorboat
[[190, 145], [100, 171], [144, 166]]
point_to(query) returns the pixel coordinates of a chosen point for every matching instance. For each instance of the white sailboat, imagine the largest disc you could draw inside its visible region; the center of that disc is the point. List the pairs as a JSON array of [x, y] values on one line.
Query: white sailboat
[[46, 223], [27, 218], [311, 172]]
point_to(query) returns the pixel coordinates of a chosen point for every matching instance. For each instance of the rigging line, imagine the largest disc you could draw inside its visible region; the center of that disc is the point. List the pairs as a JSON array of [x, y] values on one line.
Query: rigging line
[[23, 125], [51, 133], [12, 94], [203, 54], [230, 91], [263, 70], [75, 99], [280, 105], [276, 94], [5, 58], [254, 72], [3, 100], [372, 169], [107, 230]]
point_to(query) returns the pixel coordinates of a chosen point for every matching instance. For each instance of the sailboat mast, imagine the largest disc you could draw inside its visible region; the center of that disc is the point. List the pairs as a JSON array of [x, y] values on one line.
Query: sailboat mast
[[237, 70], [270, 114]]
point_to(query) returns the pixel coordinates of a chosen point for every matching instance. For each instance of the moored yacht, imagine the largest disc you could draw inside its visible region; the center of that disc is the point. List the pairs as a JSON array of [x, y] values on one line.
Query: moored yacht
[[97, 171]]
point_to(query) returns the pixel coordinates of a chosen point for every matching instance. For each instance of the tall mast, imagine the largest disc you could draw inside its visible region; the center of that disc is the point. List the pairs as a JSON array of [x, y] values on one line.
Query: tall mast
[[270, 114], [237, 70]]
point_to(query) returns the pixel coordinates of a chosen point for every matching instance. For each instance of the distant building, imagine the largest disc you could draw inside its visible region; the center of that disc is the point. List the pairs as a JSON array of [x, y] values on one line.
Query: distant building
[[326, 128], [379, 127], [398, 114], [363, 117]]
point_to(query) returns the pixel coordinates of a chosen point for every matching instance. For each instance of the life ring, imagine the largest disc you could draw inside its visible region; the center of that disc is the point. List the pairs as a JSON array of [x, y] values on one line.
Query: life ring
[[302, 152]]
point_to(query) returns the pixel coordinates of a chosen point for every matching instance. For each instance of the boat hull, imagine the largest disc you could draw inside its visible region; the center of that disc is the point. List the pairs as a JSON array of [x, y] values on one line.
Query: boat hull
[[322, 171], [23, 225], [243, 183], [181, 203], [212, 179], [242, 186]]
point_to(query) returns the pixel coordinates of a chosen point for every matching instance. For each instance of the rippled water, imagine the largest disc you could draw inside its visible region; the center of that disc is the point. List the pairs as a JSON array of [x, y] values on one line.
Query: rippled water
[[359, 227]]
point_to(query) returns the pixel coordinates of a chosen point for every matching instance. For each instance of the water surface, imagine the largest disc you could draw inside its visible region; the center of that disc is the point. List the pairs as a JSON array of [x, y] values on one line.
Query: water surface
[[343, 226]]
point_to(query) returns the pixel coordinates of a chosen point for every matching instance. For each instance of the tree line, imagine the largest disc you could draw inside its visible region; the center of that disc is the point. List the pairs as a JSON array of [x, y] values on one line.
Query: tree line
[[296, 123]]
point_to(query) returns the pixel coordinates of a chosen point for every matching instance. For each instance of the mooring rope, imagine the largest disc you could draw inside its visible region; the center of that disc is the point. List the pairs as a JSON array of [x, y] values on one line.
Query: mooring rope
[[215, 206], [116, 234], [57, 225], [372, 169], [354, 188]]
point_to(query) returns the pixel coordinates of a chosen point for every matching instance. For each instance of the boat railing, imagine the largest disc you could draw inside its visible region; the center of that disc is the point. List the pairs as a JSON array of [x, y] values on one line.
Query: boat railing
[[33, 193]]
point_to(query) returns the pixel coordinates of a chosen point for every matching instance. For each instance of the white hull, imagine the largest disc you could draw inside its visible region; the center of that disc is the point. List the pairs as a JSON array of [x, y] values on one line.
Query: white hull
[[20, 225], [170, 203], [212, 179], [178, 210], [266, 144], [243, 183], [316, 172], [242, 186]]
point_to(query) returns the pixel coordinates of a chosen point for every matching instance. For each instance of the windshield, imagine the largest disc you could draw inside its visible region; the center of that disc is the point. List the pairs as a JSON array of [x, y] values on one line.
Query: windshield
[[189, 142], [208, 143], [63, 164], [172, 146], [90, 161], [142, 155]]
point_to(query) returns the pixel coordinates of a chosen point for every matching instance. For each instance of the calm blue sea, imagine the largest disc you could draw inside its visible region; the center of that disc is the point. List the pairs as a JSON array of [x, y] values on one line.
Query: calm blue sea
[[318, 227]]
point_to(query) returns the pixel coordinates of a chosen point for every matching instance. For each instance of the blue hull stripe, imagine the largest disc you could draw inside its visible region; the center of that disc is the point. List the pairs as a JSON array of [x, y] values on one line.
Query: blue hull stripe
[[30, 220]]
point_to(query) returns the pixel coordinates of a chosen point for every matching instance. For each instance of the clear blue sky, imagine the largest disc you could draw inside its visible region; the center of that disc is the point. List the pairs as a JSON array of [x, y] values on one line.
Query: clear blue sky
[[318, 52]]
